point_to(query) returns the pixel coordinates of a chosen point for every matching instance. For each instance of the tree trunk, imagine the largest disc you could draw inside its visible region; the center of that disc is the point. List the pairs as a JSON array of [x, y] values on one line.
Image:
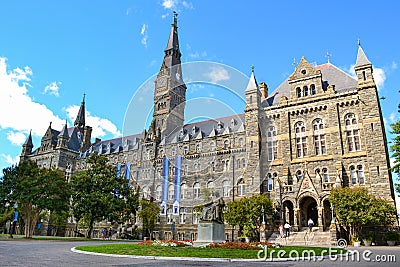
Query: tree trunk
[[91, 222]]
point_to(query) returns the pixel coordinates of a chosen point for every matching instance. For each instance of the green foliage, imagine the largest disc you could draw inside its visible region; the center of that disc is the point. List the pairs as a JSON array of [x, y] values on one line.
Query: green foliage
[[247, 214], [391, 236], [148, 214], [35, 190], [395, 149], [98, 194], [355, 208]]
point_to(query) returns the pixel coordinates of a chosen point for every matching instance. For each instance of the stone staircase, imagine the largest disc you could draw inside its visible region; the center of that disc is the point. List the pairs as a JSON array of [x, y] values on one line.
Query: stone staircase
[[315, 238]]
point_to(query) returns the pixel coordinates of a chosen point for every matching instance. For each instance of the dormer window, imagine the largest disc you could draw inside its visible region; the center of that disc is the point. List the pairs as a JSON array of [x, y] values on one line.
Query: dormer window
[[220, 125], [194, 130]]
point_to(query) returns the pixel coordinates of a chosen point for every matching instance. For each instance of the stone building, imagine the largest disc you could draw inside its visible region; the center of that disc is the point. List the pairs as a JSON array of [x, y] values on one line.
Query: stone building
[[321, 128]]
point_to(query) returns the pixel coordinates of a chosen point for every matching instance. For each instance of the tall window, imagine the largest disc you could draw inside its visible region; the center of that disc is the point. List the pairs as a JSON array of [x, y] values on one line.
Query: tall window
[[68, 171], [183, 191], [212, 146], [196, 190], [243, 163], [270, 182], [212, 166], [158, 192], [171, 192], [241, 142], [185, 150], [313, 91], [305, 91], [325, 174], [226, 144], [198, 148], [352, 133], [272, 144], [319, 137], [241, 188], [210, 187], [299, 175], [301, 139], [238, 163], [298, 91], [225, 188]]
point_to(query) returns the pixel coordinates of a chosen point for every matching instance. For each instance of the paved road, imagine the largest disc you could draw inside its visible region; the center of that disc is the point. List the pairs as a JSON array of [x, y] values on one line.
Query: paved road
[[58, 253]]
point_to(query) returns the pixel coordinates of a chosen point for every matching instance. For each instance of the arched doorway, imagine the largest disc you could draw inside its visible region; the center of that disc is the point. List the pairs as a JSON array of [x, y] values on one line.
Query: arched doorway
[[308, 209], [327, 218], [288, 214]]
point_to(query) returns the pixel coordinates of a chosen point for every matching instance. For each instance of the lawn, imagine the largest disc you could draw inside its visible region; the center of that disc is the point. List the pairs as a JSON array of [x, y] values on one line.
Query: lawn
[[161, 251]]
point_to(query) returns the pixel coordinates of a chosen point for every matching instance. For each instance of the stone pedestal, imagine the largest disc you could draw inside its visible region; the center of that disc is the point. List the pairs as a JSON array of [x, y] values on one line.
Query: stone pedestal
[[210, 232]]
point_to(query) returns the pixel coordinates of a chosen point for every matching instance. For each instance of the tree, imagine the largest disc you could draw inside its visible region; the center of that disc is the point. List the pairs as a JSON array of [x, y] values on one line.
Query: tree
[[35, 190], [148, 213], [395, 148], [355, 207], [247, 214], [98, 193]]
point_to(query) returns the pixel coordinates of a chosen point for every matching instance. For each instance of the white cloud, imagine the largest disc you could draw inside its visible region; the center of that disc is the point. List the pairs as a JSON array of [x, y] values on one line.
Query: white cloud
[[197, 55], [218, 74], [16, 138], [52, 88], [9, 159], [101, 127], [128, 11], [19, 111], [394, 65], [143, 32], [187, 5], [169, 4]]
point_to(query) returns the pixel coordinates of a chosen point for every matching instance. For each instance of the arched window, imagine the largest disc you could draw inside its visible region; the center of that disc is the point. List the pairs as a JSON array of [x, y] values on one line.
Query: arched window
[[210, 187], [241, 188], [238, 163], [225, 188], [183, 190], [264, 185], [68, 171], [196, 190], [243, 163], [305, 91], [212, 166], [185, 150], [272, 144], [352, 133], [212, 146], [301, 139], [270, 182], [241, 142], [313, 91], [198, 147], [171, 192], [299, 175], [290, 180], [226, 144], [158, 192], [319, 137], [298, 91], [325, 174]]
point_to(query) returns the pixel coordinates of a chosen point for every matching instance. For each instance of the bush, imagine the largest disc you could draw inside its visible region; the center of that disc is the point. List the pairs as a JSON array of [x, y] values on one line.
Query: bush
[[391, 236]]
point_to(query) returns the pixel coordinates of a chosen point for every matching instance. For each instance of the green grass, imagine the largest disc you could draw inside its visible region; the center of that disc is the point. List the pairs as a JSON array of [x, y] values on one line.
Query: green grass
[[137, 250]]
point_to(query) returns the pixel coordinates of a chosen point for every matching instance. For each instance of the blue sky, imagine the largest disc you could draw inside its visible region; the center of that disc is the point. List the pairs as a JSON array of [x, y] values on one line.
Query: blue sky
[[51, 52]]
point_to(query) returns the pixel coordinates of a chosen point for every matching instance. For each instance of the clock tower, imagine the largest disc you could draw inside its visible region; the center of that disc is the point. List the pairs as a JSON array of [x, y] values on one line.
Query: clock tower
[[170, 90]]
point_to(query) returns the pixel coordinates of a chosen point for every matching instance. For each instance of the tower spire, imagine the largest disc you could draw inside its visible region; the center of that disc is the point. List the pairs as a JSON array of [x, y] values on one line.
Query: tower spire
[[80, 118], [172, 52]]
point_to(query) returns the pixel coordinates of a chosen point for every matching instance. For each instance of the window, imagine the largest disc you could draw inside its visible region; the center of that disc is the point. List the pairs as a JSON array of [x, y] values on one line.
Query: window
[[360, 173], [241, 142], [226, 144], [298, 90], [319, 137], [238, 163], [68, 171], [212, 146], [243, 163], [353, 175], [264, 185], [171, 192], [198, 148], [158, 192], [299, 175], [212, 166], [241, 188], [196, 190], [225, 188], [352, 133], [185, 150], [305, 91], [301, 139], [183, 191], [313, 91], [173, 152], [270, 182], [272, 144], [210, 187], [326, 176]]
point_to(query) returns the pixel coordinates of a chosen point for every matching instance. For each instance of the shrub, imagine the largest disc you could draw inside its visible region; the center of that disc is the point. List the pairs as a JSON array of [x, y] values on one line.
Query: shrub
[[391, 236]]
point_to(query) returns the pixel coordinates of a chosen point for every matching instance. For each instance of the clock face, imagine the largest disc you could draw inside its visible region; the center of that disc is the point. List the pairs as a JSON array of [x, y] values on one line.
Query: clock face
[[161, 82]]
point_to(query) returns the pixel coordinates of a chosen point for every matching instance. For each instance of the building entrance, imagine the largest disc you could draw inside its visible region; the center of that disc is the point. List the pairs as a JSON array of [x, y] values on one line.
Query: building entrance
[[308, 209]]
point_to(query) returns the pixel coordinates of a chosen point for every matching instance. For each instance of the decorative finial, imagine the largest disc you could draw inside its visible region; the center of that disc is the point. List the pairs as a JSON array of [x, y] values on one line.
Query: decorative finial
[[84, 95], [359, 42], [252, 68], [50, 124], [328, 56], [175, 18]]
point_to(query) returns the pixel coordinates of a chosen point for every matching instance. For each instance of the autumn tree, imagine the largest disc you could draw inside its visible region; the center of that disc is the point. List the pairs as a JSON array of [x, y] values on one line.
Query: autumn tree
[[98, 193], [148, 213], [35, 190], [247, 214], [355, 207]]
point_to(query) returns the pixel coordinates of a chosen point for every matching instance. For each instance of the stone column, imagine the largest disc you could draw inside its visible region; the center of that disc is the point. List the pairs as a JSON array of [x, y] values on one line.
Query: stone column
[[296, 218], [320, 223]]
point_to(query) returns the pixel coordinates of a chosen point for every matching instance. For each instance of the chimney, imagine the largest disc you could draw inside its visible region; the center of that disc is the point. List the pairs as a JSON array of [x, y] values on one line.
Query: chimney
[[264, 90]]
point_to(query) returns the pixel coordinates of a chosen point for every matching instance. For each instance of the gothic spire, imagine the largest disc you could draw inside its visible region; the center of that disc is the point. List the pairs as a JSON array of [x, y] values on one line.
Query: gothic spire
[[28, 142], [252, 85], [361, 57], [80, 118], [172, 52], [64, 131]]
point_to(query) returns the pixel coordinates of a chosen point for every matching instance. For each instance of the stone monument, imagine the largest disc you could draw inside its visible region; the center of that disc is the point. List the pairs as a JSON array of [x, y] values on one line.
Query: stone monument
[[211, 228]]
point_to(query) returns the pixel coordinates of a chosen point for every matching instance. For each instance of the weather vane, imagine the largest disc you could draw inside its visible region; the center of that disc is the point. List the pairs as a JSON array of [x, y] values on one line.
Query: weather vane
[[328, 56]]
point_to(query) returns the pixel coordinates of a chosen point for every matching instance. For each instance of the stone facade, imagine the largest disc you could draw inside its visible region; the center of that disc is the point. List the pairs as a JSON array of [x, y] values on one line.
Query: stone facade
[[321, 128]]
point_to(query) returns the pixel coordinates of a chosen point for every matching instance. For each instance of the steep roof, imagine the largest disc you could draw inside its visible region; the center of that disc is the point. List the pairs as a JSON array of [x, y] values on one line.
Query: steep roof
[[331, 75], [361, 58]]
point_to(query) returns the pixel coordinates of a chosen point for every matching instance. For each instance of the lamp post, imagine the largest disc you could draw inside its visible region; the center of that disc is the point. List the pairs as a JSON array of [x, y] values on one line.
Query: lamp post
[[262, 232]]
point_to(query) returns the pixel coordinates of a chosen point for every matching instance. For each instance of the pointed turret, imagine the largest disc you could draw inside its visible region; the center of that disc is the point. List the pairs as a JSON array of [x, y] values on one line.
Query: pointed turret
[[172, 52], [80, 118], [63, 137], [253, 93], [363, 69], [252, 85], [28, 145]]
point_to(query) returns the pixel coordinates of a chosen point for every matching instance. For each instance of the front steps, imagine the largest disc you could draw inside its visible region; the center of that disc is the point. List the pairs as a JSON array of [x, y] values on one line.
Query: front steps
[[315, 238]]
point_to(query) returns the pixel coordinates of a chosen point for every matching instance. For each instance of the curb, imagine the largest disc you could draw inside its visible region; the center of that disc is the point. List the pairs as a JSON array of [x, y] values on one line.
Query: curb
[[316, 258]]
